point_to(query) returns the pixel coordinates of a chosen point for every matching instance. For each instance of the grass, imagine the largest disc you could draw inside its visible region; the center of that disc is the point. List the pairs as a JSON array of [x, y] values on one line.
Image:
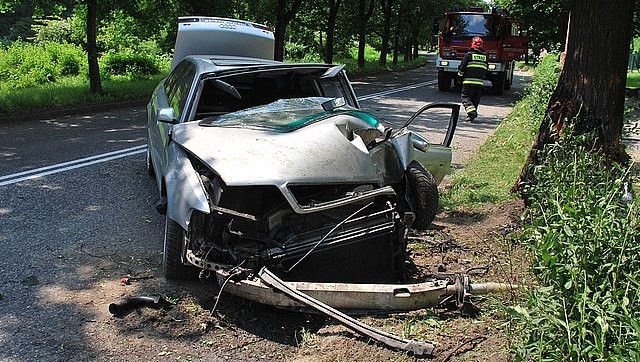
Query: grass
[[582, 235], [633, 80], [74, 91], [70, 92], [488, 178], [490, 175]]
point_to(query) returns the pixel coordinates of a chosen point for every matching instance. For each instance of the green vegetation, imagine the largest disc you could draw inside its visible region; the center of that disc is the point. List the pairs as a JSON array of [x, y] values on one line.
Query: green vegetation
[[633, 80], [488, 178], [582, 231], [46, 75], [56, 75]]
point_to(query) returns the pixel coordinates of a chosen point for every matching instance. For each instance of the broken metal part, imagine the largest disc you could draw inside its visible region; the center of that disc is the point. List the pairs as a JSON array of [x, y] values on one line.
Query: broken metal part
[[453, 119], [417, 348], [128, 304], [365, 297], [326, 235]]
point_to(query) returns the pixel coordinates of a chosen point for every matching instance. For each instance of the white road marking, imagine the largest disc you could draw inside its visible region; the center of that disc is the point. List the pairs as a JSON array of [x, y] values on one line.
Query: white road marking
[[88, 161], [396, 90], [70, 165]]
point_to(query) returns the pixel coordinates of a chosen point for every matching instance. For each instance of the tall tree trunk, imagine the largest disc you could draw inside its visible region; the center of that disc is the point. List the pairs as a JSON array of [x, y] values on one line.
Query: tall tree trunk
[[95, 85], [396, 41], [590, 91], [386, 31], [334, 6], [283, 17], [363, 17]]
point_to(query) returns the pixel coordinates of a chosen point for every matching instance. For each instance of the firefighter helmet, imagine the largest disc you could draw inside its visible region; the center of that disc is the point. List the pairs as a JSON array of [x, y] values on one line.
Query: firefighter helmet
[[477, 42]]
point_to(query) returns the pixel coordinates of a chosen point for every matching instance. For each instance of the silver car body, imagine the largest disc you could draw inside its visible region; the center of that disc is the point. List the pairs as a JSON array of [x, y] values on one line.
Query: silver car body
[[264, 163]]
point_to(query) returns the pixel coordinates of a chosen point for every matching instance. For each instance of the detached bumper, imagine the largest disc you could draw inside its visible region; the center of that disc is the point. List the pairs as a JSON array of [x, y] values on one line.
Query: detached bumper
[[353, 296]]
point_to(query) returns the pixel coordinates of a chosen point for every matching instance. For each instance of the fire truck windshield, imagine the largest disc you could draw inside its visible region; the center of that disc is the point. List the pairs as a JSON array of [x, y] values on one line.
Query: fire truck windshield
[[465, 26]]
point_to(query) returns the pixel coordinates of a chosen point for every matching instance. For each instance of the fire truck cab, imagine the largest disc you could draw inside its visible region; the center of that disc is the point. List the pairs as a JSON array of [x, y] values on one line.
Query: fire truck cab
[[504, 41]]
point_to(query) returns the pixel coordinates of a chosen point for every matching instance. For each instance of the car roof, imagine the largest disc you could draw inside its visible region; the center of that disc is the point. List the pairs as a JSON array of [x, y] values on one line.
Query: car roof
[[221, 63]]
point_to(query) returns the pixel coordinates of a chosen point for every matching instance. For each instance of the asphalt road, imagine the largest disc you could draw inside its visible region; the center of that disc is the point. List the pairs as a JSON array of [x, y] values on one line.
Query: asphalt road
[[77, 210]]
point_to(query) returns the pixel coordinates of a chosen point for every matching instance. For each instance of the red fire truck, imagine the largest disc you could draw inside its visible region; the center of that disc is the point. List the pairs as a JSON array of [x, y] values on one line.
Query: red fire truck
[[504, 41]]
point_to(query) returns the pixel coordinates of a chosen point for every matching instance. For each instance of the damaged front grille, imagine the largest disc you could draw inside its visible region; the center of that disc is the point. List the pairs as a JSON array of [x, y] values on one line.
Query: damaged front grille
[[312, 195], [365, 249], [354, 241]]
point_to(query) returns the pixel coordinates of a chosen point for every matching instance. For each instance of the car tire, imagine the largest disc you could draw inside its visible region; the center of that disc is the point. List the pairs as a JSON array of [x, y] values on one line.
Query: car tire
[[172, 266], [149, 163], [422, 195]]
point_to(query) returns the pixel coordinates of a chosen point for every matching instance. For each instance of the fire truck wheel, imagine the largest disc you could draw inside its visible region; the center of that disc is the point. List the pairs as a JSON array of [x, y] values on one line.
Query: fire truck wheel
[[444, 81], [422, 195], [509, 81], [497, 85]]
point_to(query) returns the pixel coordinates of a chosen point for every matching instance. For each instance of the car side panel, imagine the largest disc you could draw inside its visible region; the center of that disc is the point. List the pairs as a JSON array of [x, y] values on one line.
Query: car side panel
[[185, 191]]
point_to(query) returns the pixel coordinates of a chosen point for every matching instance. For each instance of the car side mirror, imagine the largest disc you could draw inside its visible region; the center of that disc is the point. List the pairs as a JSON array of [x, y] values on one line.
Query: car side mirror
[[165, 115]]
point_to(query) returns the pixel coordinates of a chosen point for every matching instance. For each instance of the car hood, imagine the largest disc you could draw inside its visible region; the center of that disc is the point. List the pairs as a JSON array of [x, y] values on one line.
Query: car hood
[[278, 145]]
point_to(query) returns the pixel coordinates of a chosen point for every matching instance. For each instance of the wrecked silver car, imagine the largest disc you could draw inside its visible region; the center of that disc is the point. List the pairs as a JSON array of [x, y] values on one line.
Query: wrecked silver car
[[275, 183], [264, 163], [261, 163]]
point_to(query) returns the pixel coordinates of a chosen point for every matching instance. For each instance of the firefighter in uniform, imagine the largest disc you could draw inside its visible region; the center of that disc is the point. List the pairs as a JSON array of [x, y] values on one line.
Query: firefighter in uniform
[[472, 70]]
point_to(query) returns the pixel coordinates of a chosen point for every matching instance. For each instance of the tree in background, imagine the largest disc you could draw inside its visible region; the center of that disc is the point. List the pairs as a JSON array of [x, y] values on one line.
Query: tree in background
[[95, 85], [590, 92], [284, 15], [387, 7], [545, 20], [332, 18]]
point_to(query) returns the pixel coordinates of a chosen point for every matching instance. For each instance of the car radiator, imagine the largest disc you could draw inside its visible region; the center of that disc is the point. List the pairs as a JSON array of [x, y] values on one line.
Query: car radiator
[[368, 249]]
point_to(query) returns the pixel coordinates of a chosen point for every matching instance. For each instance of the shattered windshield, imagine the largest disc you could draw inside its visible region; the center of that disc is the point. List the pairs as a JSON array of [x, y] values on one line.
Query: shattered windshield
[[284, 115]]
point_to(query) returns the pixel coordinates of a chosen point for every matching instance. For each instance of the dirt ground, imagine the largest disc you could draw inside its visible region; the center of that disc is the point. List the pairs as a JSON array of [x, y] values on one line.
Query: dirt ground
[[240, 330]]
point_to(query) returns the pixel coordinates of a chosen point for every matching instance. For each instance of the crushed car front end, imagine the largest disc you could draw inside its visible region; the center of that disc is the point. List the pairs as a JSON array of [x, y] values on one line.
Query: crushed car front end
[[306, 192]]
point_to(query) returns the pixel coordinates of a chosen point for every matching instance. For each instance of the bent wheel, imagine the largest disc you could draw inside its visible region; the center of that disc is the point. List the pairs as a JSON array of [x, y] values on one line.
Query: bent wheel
[[422, 195], [172, 267]]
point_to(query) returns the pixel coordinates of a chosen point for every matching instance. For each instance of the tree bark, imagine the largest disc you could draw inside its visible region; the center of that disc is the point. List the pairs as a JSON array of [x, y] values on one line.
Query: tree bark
[[283, 17], [363, 17], [590, 90], [387, 5], [334, 6], [95, 86]]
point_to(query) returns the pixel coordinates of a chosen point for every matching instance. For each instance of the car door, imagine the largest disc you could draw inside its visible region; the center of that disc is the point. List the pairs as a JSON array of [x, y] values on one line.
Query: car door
[[168, 107]]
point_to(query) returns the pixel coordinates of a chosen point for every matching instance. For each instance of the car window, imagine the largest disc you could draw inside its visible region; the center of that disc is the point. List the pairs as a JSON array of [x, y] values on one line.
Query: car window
[[333, 88], [177, 87], [241, 91]]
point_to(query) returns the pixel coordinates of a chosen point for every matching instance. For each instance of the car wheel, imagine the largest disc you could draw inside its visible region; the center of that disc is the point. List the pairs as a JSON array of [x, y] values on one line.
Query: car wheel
[[422, 195], [174, 239], [150, 169]]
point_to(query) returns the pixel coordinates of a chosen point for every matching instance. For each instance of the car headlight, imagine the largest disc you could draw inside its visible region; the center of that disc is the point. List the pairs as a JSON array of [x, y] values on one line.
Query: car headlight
[[444, 63], [492, 67]]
